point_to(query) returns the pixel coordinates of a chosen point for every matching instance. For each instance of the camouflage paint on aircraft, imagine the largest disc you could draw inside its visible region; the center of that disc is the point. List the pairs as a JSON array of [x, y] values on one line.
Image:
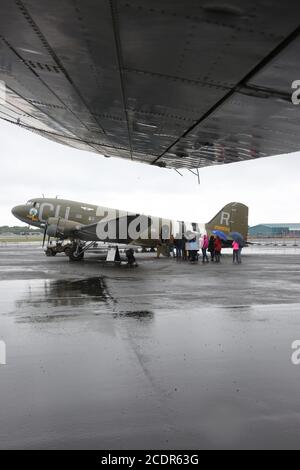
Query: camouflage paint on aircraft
[[80, 221]]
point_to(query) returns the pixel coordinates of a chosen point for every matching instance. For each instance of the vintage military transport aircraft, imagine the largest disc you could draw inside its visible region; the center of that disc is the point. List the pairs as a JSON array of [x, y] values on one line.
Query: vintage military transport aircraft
[[84, 224]]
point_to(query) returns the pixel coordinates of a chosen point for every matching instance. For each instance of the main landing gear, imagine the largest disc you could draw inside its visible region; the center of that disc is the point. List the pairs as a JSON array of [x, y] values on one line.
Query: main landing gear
[[76, 250]]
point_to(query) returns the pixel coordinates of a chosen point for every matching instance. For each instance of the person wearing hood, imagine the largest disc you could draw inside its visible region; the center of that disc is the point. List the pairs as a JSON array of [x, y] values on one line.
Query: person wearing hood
[[204, 246]]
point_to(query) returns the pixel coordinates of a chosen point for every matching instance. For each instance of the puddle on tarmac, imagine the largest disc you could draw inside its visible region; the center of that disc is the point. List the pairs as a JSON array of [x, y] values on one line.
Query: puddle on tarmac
[[38, 301], [64, 293], [32, 301]]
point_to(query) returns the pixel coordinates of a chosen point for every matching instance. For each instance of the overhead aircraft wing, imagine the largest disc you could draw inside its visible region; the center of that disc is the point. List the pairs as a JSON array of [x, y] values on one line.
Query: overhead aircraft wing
[[166, 82]]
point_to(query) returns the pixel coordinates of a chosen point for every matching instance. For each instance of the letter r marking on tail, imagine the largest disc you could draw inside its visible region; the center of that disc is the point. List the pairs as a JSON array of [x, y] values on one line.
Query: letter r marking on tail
[[225, 216]]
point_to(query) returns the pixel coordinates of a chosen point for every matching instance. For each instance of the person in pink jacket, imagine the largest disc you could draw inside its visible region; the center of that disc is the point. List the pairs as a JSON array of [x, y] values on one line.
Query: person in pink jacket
[[204, 246], [236, 247]]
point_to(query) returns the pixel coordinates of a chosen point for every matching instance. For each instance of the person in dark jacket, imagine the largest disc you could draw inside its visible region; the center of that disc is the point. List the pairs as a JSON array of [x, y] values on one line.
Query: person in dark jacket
[[178, 242], [218, 248], [131, 261], [184, 248], [211, 247]]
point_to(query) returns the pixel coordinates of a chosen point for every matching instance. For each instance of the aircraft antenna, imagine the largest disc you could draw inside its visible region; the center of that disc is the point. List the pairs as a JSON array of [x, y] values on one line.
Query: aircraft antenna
[[196, 174]]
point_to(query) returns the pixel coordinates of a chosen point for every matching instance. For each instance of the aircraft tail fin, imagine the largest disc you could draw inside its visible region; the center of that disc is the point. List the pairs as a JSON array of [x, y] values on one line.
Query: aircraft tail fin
[[232, 218]]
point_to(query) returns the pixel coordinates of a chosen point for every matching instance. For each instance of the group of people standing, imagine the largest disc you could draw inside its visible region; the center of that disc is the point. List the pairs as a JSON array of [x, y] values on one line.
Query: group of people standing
[[213, 246], [188, 250]]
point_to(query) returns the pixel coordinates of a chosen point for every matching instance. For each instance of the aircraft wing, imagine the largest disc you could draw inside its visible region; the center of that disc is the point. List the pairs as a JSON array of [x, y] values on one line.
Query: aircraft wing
[[91, 232], [114, 230], [164, 82]]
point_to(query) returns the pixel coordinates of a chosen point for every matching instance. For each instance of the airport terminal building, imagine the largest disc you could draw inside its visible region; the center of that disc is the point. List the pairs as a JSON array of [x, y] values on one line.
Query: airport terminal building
[[274, 230]]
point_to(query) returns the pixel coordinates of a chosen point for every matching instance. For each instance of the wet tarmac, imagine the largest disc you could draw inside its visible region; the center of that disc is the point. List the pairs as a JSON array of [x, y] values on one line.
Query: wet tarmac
[[169, 355]]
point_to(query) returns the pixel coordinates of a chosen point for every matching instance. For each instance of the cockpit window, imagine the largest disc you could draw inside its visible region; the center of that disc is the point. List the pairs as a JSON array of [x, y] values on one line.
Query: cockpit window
[[33, 204]]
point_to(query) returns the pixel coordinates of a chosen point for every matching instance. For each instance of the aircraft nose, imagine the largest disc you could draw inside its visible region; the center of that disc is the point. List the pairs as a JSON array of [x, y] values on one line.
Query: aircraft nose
[[17, 211], [14, 210]]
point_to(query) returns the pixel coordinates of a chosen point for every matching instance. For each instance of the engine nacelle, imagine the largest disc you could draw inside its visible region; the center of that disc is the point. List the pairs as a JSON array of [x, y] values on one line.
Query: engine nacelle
[[61, 228]]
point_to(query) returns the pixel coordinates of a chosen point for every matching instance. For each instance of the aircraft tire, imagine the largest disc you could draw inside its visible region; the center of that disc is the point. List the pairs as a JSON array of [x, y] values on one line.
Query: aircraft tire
[[48, 252], [73, 257]]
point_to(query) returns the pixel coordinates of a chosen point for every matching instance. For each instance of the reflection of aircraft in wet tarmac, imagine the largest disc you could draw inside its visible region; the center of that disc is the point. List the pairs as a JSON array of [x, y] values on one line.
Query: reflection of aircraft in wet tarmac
[[68, 293], [80, 223], [54, 300]]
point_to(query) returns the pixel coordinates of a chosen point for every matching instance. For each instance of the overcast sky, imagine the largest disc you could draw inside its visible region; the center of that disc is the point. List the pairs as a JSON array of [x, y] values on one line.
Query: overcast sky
[[32, 166]]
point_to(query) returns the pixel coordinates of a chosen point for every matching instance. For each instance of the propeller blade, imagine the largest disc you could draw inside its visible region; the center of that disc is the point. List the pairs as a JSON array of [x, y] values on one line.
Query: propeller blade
[[45, 233]]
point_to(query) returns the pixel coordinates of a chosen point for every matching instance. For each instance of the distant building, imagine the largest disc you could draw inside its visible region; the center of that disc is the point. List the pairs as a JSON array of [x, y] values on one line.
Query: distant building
[[274, 230]]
